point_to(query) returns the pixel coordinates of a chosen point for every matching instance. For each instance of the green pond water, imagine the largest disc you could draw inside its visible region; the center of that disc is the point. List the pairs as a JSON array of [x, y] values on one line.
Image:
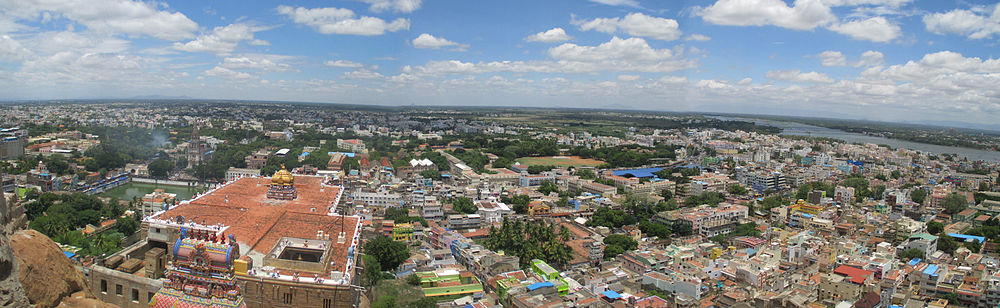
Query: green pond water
[[133, 189]]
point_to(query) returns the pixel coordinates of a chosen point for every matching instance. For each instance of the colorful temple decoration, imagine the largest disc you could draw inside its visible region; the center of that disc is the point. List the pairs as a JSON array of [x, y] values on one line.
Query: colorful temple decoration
[[282, 185], [200, 273]]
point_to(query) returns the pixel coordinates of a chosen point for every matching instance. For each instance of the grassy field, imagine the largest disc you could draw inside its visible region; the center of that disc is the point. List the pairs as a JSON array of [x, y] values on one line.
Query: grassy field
[[395, 293], [560, 161]]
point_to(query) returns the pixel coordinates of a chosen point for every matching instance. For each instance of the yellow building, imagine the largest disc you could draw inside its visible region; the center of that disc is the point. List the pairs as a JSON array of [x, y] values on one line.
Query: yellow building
[[402, 232], [804, 207]]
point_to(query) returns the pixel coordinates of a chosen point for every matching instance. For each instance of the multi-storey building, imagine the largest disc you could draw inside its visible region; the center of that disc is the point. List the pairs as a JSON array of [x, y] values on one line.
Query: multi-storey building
[[711, 221], [12, 142], [353, 145]]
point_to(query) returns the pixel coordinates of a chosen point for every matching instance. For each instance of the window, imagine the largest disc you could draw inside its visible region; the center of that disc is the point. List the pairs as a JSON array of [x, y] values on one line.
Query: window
[[287, 300], [118, 289], [327, 303], [149, 296], [104, 286], [135, 295]]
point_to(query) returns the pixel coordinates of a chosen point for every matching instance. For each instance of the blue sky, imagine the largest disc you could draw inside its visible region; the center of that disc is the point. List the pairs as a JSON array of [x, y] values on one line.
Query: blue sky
[[894, 60]]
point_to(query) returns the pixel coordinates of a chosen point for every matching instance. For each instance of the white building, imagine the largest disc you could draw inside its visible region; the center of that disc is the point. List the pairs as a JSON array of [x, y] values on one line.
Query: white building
[[492, 211]]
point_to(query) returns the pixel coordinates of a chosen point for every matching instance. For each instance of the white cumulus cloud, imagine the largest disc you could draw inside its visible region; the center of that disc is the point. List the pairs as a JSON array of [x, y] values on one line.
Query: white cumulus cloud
[[836, 58], [875, 29], [115, 16], [398, 6], [427, 41], [222, 40], [628, 3], [698, 37], [974, 25], [554, 35], [832, 58], [635, 24], [802, 15], [798, 76], [331, 20], [343, 63]]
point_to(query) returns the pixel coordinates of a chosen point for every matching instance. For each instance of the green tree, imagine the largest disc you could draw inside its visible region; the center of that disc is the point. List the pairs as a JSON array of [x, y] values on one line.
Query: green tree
[[518, 203], [954, 203], [918, 195], [768, 203], [413, 280], [127, 225], [503, 162], [431, 174], [709, 197], [666, 194], [651, 228], [747, 229], [610, 218], [912, 253], [877, 191], [586, 174], [737, 190], [548, 187], [616, 244], [947, 244], [373, 270], [974, 246], [161, 167], [934, 227], [389, 253], [464, 205], [536, 169]]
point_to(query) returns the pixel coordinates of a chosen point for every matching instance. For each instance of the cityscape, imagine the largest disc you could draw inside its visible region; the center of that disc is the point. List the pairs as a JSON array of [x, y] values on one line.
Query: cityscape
[[572, 153]]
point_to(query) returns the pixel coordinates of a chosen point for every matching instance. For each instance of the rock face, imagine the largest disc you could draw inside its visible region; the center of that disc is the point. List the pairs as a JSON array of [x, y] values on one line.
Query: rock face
[[48, 278], [11, 293]]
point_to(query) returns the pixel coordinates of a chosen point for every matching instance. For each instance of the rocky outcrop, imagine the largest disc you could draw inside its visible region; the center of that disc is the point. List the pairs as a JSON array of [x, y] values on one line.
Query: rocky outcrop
[[11, 293], [48, 278]]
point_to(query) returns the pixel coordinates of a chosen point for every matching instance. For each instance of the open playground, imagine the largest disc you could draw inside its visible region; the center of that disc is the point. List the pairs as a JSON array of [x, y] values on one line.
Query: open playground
[[560, 161]]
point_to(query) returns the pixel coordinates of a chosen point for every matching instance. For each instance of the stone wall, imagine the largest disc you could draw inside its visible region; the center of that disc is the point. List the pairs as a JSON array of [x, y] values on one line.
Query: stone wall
[[258, 292]]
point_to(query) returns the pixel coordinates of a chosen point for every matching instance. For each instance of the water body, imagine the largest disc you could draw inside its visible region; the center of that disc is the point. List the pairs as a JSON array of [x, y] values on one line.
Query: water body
[[799, 129], [134, 189]]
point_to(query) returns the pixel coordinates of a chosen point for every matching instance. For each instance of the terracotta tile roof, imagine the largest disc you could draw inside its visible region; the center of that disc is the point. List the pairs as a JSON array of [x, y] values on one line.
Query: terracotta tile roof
[[259, 222], [857, 275]]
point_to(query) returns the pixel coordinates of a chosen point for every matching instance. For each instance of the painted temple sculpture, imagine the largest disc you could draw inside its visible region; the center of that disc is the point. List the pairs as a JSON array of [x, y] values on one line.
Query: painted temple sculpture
[[200, 273]]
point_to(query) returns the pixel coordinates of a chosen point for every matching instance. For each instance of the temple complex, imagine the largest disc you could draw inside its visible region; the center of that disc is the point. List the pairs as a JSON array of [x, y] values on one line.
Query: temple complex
[[289, 247]]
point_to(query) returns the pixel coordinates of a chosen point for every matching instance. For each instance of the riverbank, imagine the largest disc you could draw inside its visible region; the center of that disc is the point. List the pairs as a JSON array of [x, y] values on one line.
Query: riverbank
[[799, 129]]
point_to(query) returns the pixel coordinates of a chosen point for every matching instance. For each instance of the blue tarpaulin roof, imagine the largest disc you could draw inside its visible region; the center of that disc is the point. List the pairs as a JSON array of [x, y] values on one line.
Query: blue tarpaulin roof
[[914, 261], [931, 269], [612, 294], [639, 173], [966, 238], [535, 286], [69, 254]]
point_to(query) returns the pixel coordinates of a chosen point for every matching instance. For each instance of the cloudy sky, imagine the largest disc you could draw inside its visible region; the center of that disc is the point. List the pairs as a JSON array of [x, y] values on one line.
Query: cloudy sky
[[895, 60]]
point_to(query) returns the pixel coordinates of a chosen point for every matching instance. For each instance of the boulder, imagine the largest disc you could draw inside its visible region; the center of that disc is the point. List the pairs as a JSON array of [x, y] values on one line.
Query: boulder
[[11, 293], [46, 275]]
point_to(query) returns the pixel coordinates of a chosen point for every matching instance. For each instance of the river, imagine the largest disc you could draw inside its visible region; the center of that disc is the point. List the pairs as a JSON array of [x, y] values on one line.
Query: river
[[799, 129]]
